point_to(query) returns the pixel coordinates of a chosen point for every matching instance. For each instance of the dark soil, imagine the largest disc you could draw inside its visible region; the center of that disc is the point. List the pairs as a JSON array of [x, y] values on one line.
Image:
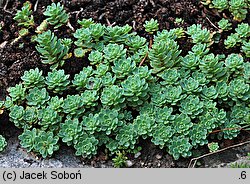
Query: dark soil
[[16, 58]]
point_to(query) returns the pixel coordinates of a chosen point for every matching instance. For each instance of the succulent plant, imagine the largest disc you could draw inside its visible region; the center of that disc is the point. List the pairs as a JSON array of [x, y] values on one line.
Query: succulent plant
[[164, 55], [113, 52], [73, 105], [238, 89], [148, 108], [127, 136], [190, 85], [80, 80], [239, 112], [27, 138], [24, 16], [85, 23], [17, 93], [238, 8], [163, 35], [108, 79], [84, 39], [52, 50], [30, 117], [117, 34], [86, 146], [191, 106], [190, 61], [119, 160], [46, 143], [144, 125], [33, 78], [174, 94], [209, 93], [89, 98], [136, 42], [220, 4], [144, 73], [57, 81], [212, 67], [246, 48], [95, 57], [162, 115], [108, 120], [199, 50], [208, 120], [134, 88], [182, 124], [198, 135], [101, 70], [200, 77], [180, 146], [56, 104], [48, 118], [123, 67], [8, 103], [162, 135], [90, 124], [177, 33], [159, 98], [3, 143], [243, 30], [16, 115], [151, 26], [56, 15], [37, 97], [213, 146], [70, 131], [224, 24], [97, 31], [112, 95], [93, 83], [222, 89], [234, 63], [232, 40], [170, 76], [209, 106], [231, 129], [199, 35]]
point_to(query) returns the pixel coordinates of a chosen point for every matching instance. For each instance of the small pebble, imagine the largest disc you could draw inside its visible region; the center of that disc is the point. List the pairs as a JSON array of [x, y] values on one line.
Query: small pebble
[[129, 163], [238, 155], [158, 156], [159, 164], [137, 155]]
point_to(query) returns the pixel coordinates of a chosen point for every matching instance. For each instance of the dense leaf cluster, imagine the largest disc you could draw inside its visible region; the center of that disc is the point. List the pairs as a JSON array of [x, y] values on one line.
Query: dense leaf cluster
[[238, 8], [175, 100], [3, 143]]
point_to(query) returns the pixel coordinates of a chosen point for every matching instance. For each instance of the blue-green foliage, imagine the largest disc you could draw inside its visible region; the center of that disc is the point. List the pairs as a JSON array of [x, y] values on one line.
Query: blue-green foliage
[[52, 50], [3, 143], [238, 8], [24, 16], [173, 99], [239, 38], [56, 15]]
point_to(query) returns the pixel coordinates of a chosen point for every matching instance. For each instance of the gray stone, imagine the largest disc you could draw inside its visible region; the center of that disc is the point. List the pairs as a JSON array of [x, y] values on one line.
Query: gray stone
[[158, 156], [129, 163], [137, 155]]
